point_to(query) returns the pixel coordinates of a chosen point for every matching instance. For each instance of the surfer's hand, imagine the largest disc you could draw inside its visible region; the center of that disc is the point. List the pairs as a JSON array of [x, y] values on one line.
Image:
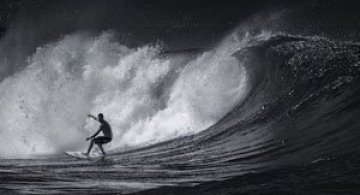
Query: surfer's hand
[[92, 116], [89, 138]]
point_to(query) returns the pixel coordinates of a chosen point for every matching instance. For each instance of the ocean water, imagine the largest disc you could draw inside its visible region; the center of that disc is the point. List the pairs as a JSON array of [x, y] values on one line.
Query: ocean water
[[260, 112]]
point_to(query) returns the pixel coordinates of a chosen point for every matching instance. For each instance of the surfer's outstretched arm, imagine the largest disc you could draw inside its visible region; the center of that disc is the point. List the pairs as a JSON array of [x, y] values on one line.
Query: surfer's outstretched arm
[[92, 116]]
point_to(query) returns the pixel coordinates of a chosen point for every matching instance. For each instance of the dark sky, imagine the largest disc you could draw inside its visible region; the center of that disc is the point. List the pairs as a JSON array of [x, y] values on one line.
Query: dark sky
[[143, 21]]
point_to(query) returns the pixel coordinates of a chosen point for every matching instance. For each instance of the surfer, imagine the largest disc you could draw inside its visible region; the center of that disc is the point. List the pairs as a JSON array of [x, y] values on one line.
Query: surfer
[[100, 140]]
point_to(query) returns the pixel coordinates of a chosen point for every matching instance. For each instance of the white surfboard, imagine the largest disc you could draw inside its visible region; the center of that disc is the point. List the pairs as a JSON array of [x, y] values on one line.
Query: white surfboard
[[80, 155]]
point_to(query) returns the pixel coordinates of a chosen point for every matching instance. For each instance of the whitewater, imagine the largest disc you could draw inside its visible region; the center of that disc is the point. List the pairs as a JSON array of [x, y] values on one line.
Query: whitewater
[[146, 96]]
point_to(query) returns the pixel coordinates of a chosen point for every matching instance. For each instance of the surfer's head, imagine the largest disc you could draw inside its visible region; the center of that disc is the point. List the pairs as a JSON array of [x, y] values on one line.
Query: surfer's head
[[100, 116]]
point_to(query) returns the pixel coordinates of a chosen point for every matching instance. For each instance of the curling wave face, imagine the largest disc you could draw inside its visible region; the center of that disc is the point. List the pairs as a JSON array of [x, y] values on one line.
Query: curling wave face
[[302, 108], [146, 96]]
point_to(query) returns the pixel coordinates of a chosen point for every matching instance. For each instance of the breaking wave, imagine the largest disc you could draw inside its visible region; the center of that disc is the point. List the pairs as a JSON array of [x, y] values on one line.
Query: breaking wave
[[255, 103], [147, 95]]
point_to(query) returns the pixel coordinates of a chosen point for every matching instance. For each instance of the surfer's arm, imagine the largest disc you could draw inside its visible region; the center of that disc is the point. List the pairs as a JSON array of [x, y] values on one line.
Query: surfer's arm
[[92, 116], [94, 135]]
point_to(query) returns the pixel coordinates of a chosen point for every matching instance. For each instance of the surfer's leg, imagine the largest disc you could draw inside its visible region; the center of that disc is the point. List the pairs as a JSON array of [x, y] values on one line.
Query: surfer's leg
[[90, 147], [101, 148]]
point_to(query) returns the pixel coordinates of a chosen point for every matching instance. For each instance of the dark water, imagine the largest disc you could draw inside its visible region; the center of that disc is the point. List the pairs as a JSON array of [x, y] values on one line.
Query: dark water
[[295, 133]]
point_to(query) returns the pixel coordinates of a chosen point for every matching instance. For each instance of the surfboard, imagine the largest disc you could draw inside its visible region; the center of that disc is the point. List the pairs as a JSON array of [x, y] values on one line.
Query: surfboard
[[80, 155]]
